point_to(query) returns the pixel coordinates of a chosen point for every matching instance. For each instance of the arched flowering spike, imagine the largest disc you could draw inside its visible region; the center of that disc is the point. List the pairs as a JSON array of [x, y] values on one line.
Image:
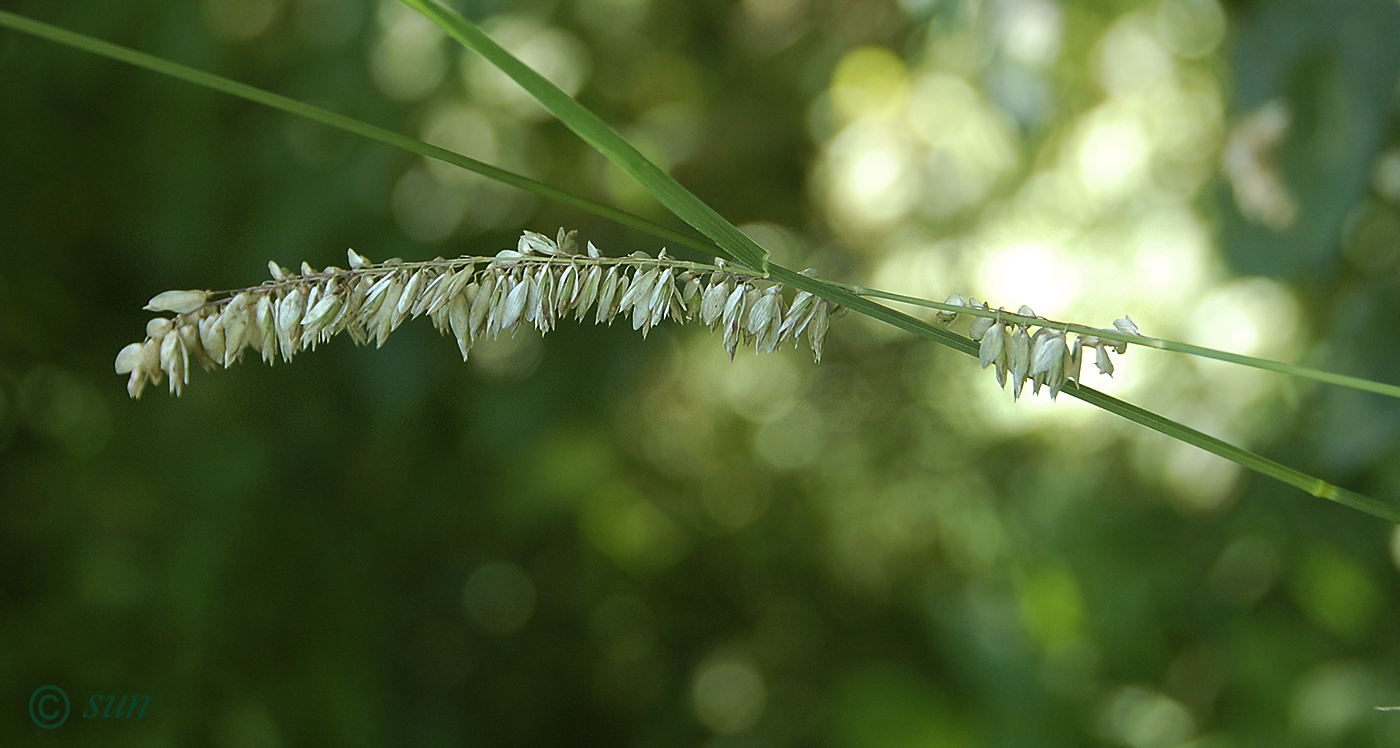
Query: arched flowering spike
[[539, 282], [1047, 358]]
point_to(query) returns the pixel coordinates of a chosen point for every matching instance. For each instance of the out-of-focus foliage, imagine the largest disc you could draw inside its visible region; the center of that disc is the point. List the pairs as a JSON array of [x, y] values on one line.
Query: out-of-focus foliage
[[603, 540]]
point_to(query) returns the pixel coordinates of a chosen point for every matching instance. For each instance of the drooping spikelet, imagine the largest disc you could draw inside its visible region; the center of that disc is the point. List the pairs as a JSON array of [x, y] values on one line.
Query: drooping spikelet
[[1045, 358]]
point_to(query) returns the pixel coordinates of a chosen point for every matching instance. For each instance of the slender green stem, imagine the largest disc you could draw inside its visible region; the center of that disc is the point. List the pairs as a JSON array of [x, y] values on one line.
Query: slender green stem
[[1242, 457], [1303, 372]]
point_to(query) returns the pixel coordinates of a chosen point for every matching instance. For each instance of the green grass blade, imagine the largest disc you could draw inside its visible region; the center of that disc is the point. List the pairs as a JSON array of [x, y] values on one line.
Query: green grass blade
[[602, 137], [1237, 455]]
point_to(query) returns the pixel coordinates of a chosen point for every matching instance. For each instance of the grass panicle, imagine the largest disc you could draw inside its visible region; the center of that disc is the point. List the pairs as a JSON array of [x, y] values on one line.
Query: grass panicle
[[540, 282], [1045, 358]]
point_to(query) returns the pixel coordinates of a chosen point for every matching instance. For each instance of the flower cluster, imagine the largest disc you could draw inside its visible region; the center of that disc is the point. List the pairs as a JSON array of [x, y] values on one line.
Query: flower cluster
[[540, 282], [1044, 358]]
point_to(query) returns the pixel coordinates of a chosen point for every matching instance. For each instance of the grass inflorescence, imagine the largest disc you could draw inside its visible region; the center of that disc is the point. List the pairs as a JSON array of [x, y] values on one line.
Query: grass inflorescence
[[1045, 358], [540, 282]]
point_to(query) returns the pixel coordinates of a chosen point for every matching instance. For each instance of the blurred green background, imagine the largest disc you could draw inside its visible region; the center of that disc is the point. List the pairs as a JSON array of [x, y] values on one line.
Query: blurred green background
[[599, 540]]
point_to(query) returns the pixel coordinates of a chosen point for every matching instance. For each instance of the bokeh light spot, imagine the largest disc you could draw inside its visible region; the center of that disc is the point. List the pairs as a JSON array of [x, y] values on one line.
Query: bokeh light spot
[[1335, 591], [1142, 718], [1245, 571], [1191, 28], [1199, 480], [728, 693], [869, 82], [240, 20], [1130, 58], [630, 530], [1052, 607], [1331, 699], [872, 179], [426, 209], [1385, 176], [793, 440], [1252, 316], [553, 53], [1112, 155], [499, 597], [1035, 273], [734, 496], [760, 388], [1030, 31], [465, 129], [59, 406], [408, 61], [509, 356]]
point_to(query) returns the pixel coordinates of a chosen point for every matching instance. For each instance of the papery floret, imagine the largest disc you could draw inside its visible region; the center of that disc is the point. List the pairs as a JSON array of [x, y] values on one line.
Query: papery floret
[[946, 317], [178, 302], [993, 345], [129, 358]]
